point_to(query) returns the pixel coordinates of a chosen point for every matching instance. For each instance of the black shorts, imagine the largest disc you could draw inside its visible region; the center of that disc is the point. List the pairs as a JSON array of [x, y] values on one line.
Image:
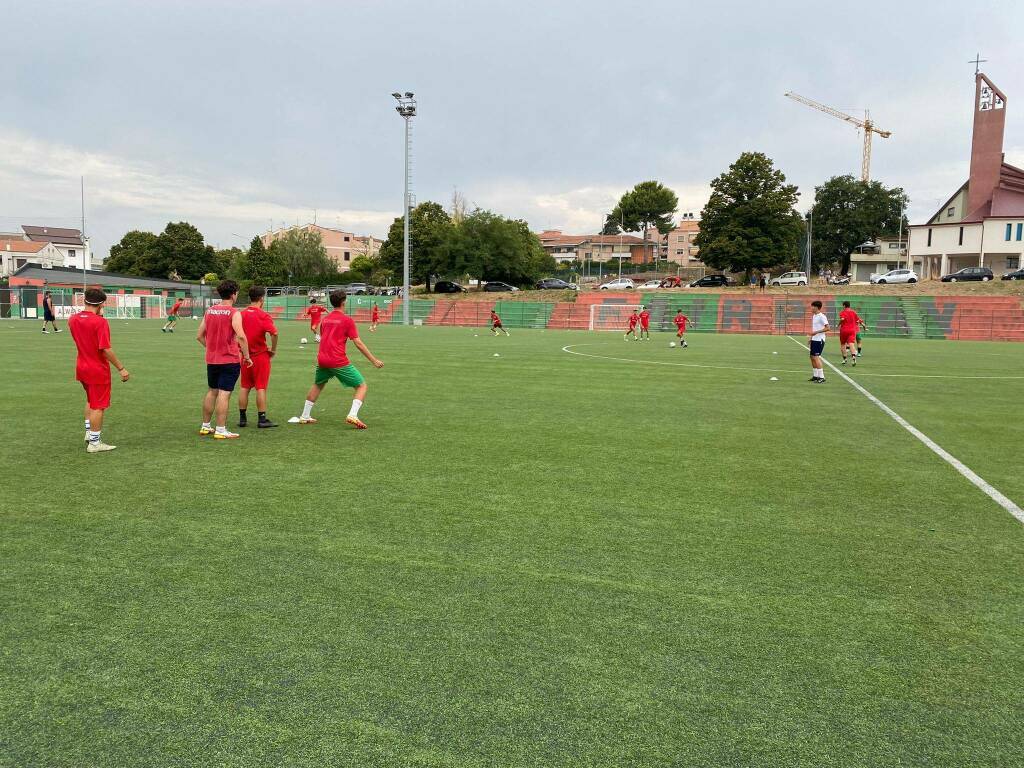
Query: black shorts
[[48, 316], [223, 375], [817, 347]]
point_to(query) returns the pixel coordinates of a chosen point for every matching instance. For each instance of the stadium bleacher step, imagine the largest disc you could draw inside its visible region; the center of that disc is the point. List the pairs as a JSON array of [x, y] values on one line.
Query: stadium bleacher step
[[916, 324]]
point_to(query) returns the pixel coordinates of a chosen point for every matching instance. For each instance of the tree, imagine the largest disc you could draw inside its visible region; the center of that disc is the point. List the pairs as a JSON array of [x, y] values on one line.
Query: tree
[[127, 255], [302, 256], [749, 221], [848, 212], [649, 203], [180, 249], [226, 257], [362, 267], [431, 227], [488, 246], [259, 266]]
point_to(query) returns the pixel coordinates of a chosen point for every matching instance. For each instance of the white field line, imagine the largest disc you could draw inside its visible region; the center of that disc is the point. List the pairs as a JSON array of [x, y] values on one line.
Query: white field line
[[570, 349], [945, 455]]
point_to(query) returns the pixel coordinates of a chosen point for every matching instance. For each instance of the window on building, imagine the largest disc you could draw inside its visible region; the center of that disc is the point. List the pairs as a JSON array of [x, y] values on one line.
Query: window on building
[[961, 236], [71, 252], [346, 238], [950, 212], [1009, 231], [930, 238], [346, 255], [1020, 231], [1013, 262]]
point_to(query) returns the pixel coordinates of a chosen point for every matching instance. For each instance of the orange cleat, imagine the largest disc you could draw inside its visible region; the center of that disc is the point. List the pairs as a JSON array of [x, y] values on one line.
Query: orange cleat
[[355, 422]]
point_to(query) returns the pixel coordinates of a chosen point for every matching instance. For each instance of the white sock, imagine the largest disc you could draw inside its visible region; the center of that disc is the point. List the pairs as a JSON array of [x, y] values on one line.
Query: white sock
[[307, 409], [206, 425], [94, 437], [87, 425], [819, 373], [353, 412], [221, 430]]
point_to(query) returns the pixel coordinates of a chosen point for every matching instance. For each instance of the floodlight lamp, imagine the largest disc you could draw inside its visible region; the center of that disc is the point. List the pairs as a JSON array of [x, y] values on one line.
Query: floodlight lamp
[[408, 94], [397, 95]]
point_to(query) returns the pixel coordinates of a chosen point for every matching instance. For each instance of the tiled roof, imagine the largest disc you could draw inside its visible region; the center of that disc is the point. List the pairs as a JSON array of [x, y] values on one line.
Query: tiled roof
[[21, 246], [67, 275], [60, 235]]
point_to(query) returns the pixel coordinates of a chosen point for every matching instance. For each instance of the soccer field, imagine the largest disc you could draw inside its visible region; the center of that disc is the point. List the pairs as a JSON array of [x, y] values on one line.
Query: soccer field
[[628, 556]]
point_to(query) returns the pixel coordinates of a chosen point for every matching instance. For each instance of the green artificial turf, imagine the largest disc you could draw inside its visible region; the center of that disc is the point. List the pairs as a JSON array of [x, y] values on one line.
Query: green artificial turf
[[536, 559]]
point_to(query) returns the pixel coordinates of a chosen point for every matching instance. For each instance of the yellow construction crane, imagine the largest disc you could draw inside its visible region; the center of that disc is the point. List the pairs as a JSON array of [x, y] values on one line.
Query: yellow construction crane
[[866, 125]]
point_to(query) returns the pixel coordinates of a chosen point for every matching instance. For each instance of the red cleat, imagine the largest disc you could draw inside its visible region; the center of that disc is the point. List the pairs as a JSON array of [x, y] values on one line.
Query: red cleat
[[355, 422]]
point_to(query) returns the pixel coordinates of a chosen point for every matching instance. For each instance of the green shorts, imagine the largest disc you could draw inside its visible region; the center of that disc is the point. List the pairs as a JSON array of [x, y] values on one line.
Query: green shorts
[[172, 318], [858, 338], [349, 376]]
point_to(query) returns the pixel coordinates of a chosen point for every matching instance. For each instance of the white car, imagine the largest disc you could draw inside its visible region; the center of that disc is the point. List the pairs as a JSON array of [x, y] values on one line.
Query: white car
[[620, 284], [790, 278], [895, 276], [651, 284]]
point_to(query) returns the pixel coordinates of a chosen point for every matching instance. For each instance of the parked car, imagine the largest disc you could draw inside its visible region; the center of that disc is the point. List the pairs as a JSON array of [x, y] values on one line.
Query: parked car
[[983, 274], [358, 289], [447, 286], [711, 281], [1017, 274], [556, 284], [790, 278], [651, 284], [496, 286], [895, 276], [619, 284], [391, 290]]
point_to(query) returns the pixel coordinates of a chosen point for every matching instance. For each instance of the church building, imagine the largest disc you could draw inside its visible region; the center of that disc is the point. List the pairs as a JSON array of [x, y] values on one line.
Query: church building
[[982, 223]]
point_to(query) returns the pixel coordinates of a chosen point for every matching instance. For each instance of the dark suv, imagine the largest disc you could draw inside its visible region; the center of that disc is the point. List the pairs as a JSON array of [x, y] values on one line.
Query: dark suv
[[447, 286], [969, 273], [711, 281]]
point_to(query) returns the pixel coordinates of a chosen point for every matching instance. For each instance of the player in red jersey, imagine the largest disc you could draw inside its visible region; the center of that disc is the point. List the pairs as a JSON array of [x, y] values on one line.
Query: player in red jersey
[[172, 317], [633, 320], [849, 327], [496, 324], [332, 362], [315, 311], [681, 320], [645, 323], [257, 324], [374, 317], [91, 333], [222, 334]]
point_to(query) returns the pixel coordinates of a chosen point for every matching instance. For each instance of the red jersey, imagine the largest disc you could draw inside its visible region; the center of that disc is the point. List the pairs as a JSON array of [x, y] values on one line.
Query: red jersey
[[91, 333], [221, 344], [681, 320], [257, 324], [848, 320], [645, 318], [335, 331], [632, 320], [495, 319], [314, 312], [176, 307], [374, 313]]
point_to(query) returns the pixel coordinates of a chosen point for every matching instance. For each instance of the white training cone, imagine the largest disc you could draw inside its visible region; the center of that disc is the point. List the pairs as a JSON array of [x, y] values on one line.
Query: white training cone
[[496, 354], [774, 378]]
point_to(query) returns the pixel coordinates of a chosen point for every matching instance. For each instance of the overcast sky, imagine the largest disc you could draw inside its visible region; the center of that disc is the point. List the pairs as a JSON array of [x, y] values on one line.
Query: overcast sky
[[233, 115]]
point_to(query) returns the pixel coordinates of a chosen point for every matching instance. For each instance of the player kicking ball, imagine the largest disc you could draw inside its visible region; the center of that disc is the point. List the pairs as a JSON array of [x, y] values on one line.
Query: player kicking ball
[[496, 325], [850, 326], [332, 362], [645, 324], [680, 321], [631, 331], [172, 318], [819, 329], [315, 312], [91, 333]]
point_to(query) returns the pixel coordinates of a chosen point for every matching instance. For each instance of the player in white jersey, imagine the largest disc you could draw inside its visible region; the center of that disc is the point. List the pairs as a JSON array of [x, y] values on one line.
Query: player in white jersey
[[819, 329]]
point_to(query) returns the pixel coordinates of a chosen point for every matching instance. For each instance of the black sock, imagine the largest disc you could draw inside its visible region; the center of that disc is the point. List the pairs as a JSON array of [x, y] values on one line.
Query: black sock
[[262, 415], [241, 413]]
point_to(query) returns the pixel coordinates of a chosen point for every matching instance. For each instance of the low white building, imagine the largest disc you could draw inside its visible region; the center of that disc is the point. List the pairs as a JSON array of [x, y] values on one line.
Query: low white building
[[982, 223], [16, 253]]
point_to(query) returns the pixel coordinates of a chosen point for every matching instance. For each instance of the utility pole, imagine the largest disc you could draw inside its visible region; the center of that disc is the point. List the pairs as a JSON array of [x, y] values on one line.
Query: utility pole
[[85, 243], [407, 109]]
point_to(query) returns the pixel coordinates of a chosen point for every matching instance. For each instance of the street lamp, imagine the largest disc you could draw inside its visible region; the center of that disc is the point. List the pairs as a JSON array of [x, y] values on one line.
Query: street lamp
[[407, 109]]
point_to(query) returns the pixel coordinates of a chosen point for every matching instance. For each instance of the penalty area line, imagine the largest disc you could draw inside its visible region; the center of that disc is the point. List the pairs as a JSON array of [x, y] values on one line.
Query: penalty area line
[[977, 480]]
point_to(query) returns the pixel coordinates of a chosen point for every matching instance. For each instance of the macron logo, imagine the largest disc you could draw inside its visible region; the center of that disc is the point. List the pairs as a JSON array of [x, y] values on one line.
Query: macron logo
[[218, 311]]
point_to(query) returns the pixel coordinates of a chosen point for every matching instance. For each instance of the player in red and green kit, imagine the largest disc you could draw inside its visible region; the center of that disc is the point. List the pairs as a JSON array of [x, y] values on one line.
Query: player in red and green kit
[[496, 324], [315, 312], [257, 323], [850, 326], [645, 324], [91, 333], [681, 320], [633, 320], [336, 329], [374, 317], [172, 317]]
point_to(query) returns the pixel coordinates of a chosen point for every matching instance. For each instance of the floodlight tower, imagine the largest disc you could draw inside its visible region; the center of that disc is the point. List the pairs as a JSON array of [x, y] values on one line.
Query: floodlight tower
[[407, 109]]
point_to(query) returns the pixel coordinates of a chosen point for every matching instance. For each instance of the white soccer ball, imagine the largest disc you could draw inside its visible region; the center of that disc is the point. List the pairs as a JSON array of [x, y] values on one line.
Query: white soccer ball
[[774, 378], [775, 353], [671, 343], [303, 340], [496, 354]]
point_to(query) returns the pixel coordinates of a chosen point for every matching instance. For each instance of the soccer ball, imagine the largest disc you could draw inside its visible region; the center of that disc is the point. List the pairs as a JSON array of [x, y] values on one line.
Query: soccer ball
[[774, 378], [303, 340], [496, 354], [671, 343]]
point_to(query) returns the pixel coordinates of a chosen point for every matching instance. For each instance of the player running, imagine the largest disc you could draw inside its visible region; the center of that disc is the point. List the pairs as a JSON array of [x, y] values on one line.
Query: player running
[[819, 331], [48, 316], [222, 334], [332, 362], [374, 317], [315, 311], [257, 324], [496, 324], [91, 333], [850, 325], [633, 320], [681, 320], [172, 317], [645, 324]]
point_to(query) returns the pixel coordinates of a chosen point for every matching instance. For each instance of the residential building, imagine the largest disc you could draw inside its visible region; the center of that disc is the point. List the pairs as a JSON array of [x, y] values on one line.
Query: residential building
[[568, 248], [73, 247], [16, 252], [876, 257], [341, 246], [982, 222], [679, 245]]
